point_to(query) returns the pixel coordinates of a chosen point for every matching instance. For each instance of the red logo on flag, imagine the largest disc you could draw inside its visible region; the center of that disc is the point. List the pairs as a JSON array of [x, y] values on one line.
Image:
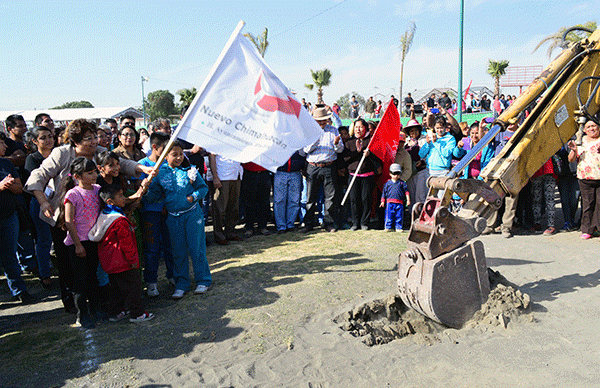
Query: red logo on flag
[[287, 104]]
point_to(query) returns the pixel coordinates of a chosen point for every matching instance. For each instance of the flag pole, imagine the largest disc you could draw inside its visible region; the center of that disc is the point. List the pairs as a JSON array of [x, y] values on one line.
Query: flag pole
[[354, 177], [211, 74]]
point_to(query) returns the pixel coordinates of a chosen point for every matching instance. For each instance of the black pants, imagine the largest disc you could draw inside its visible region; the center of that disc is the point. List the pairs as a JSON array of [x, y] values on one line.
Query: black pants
[[318, 177], [63, 265], [85, 280], [361, 199], [256, 194], [126, 292], [590, 207]]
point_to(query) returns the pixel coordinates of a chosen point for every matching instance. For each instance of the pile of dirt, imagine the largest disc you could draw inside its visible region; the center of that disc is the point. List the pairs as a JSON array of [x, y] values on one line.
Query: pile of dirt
[[383, 320], [505, 303]]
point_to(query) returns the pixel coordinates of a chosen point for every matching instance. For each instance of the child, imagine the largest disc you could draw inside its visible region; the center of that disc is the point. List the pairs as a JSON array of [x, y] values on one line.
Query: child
[[181, 189], [395, 193], [110, 173], [119, 257], [80, 209], [437, 151], [154, 221]]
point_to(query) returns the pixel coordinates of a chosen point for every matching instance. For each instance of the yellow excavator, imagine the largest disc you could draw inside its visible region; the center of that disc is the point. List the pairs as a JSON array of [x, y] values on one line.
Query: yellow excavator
[[443, 273]]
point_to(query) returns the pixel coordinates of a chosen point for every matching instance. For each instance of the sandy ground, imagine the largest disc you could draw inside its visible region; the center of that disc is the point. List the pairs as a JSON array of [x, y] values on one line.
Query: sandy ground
[[268, 322]]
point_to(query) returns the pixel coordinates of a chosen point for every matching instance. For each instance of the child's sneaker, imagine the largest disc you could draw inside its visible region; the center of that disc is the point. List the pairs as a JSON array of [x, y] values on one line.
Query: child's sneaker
[[200, 289], [120, 316], [389, 230], [400, 230], [146, 316], [178, 294], [152, 290]]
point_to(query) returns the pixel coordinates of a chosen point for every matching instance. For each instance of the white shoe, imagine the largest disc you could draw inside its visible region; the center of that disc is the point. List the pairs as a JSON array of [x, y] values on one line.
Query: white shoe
[[178, 294], [200, 289], [152, 290]]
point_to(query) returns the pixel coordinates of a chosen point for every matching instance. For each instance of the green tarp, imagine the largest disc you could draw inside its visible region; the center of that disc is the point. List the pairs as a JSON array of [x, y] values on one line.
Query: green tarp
[[470, 118]]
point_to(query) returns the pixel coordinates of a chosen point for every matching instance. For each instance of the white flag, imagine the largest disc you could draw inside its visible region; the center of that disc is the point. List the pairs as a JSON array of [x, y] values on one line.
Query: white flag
[[245, 113]]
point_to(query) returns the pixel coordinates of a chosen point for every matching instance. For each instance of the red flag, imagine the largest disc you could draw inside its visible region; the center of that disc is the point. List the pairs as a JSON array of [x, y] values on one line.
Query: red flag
[[467, 91], [384, 142]]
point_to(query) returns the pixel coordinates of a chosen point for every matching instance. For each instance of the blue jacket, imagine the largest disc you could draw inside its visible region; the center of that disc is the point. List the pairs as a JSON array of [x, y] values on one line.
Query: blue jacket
[[173, 186], [438, 154]]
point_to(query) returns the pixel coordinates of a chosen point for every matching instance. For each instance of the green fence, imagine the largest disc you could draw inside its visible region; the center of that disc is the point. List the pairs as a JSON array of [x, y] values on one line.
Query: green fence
[[470, 118]]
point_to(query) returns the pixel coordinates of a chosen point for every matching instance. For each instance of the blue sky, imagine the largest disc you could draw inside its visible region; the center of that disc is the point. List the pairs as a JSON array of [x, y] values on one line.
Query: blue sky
[[60, 51]]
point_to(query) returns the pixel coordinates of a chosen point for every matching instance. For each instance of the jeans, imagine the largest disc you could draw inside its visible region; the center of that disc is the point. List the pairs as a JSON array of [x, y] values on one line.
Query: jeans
[[25, 242], [568, 188], [157, 243], [287, 188], [43, 241], [255, 192], [394, 214], [187, 238], [9, 230], [317, 178]]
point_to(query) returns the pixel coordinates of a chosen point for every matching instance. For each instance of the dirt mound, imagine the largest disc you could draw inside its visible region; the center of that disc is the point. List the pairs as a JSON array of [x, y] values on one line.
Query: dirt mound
[[383, 320], [505, 303]]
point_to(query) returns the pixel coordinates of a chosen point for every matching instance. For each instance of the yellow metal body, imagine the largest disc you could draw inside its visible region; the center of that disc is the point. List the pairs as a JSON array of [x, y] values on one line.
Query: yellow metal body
[[442, 272]]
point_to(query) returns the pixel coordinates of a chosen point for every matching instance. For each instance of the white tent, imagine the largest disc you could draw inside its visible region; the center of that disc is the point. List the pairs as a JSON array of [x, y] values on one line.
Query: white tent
[[65, 115]]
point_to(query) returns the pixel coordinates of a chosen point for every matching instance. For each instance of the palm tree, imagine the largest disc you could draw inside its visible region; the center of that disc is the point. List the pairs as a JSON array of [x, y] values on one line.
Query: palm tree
[[260, 42], [186, 96], [405, 43], [497, 69], [320, 78], [556, 39]]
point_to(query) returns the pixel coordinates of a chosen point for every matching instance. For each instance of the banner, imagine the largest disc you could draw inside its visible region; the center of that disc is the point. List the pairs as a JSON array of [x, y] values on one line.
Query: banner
[[245, 113], [384, 142]]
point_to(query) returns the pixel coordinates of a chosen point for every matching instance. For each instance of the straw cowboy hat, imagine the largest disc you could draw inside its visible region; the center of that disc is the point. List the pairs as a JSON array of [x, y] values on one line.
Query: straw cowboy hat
[[321, 114]]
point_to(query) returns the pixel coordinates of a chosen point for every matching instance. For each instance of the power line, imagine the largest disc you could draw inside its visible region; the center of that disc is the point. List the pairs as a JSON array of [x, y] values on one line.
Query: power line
[[311, 18], [281, 33]]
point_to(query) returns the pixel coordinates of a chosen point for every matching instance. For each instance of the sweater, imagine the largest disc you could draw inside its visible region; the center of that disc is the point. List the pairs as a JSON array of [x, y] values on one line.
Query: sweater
[[117, 248]]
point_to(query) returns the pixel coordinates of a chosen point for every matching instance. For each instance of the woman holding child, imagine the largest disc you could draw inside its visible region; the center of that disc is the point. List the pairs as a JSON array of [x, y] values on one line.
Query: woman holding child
[[45, 181]]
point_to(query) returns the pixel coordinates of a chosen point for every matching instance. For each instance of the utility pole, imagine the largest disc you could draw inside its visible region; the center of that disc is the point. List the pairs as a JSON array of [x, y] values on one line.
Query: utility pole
[[460, 62], [144, 99]]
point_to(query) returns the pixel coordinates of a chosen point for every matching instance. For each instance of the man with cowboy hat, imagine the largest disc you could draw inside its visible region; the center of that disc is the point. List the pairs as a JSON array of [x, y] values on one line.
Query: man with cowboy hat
[[321, 171]]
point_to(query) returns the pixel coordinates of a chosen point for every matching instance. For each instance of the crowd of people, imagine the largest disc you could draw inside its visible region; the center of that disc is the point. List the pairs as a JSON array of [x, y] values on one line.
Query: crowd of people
[[89, 201]]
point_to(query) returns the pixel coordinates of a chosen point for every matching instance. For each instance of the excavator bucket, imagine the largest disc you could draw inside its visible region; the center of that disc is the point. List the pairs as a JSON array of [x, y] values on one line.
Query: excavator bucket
[[448, 289], [443, 273]]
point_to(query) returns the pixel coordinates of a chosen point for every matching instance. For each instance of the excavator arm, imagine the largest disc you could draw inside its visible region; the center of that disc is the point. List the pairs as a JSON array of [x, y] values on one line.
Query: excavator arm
[[443, 272]]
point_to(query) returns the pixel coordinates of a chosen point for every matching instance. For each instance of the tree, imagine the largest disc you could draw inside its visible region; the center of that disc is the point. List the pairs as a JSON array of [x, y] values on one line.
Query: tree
[[405, 43], [74, 104], [160, 104], [186, 96], [497, 69], [344, 103], [260, 42], [556, 39], [320, 78]]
